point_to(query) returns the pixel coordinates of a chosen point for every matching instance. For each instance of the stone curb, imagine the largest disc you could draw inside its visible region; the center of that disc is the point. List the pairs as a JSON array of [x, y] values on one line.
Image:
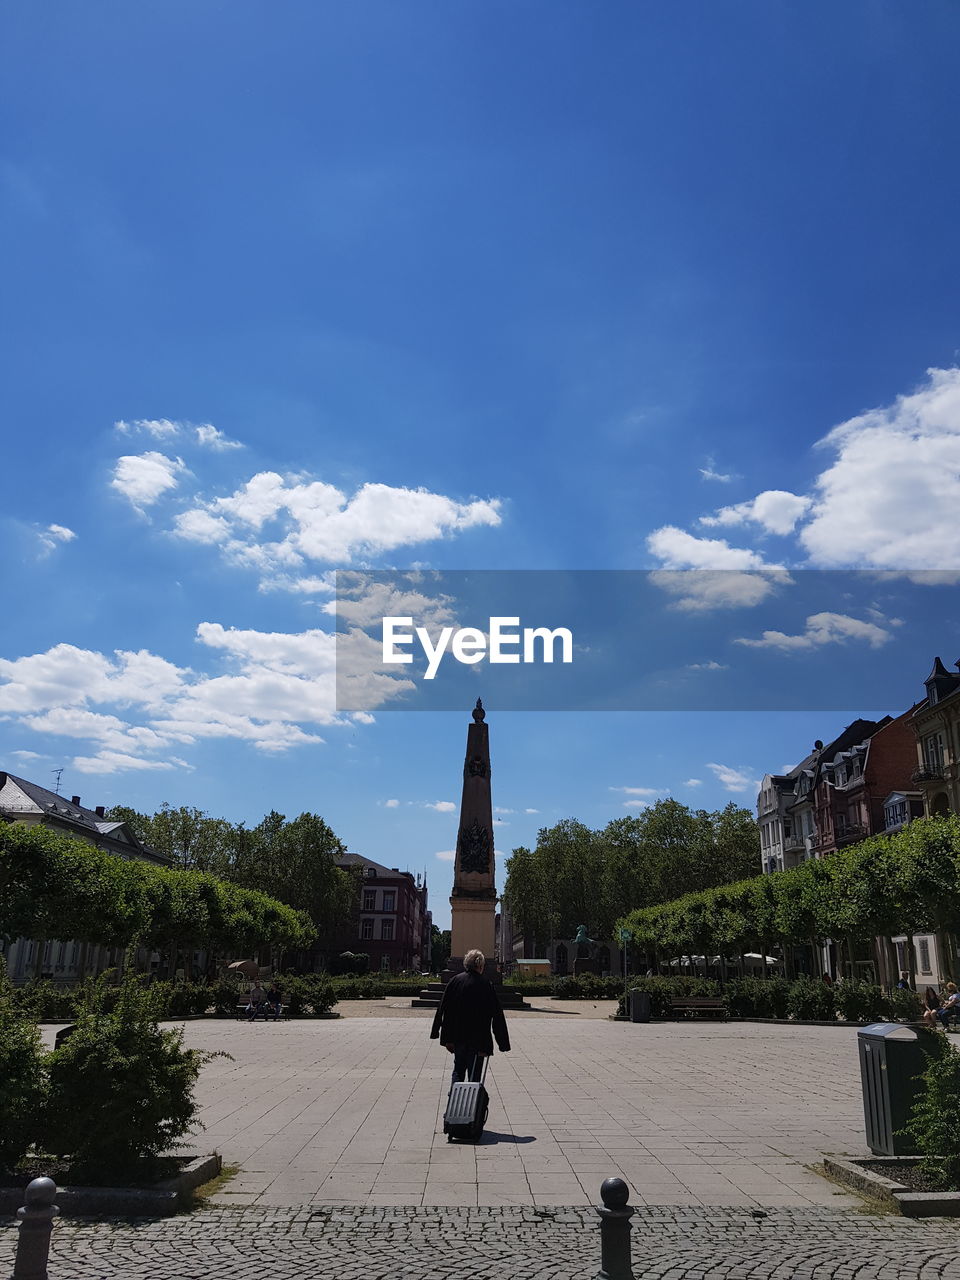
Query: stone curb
[[911, 1204], [765, 1022], [161, 1201]]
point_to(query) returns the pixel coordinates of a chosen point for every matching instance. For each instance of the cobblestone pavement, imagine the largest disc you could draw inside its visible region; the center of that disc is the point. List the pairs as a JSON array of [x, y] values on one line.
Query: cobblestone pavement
[[530, 1244]]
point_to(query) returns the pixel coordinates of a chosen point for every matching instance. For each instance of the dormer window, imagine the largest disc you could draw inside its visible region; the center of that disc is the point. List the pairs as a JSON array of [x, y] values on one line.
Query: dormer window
[[840, 777]]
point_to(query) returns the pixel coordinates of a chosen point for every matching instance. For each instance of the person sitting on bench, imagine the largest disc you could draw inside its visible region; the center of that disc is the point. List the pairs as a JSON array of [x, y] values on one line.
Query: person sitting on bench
[[256, 1001], [949, 1011], [274, 1002]]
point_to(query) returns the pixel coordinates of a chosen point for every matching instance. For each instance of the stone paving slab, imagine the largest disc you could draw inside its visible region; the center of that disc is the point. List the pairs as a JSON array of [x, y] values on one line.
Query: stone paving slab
[[350, 1112], [394, 1243]]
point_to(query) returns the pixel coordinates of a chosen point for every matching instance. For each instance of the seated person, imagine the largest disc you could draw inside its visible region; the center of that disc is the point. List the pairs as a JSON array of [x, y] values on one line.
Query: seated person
[[932, 1002], [950, 1008], [274, 1002], [255, 1001]]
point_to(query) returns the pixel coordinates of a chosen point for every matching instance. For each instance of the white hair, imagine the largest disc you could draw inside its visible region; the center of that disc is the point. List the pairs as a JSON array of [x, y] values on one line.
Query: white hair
[[474, 960]]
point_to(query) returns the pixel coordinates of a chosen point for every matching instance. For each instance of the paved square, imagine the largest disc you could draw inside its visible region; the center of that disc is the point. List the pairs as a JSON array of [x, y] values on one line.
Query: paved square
[[350, 1112]]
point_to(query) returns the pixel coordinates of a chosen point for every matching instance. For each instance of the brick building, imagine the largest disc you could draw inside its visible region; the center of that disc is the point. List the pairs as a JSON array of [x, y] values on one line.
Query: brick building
[[394, 924]]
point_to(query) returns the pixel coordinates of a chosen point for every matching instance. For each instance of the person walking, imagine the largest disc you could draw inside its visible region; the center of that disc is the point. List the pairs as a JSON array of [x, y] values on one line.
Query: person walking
[[468, 1019]]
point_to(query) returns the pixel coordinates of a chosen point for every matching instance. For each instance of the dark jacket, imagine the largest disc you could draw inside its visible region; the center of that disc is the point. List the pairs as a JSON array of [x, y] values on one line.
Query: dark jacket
[[469, 1006]]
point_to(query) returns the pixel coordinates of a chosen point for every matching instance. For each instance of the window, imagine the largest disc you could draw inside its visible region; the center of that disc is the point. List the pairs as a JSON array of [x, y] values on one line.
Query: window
[[369, 900], [386, 930], [384, 964], [389, 900], [366, 928], [895, 814], [840, 778], [856, 767], [901, 957], [933, 752], [923, 955]]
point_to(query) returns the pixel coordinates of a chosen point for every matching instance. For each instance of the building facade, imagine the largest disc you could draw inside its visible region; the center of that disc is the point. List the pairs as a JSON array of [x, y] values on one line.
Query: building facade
[[27, 802], [394, 925], [936, 725]]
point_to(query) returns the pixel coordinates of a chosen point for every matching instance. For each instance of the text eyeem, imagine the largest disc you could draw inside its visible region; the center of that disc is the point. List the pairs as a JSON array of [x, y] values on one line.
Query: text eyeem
[[503, 641]]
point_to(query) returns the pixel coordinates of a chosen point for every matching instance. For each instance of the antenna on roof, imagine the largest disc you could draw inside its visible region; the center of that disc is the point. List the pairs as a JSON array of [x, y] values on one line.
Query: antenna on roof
[[59, 773]]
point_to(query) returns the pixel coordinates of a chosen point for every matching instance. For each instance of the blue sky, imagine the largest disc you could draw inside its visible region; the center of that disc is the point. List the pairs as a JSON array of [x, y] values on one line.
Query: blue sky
[[620, 286]]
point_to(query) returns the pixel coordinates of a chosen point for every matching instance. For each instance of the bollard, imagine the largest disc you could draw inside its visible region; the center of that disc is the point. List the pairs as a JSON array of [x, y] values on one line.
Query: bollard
[[615, 1231], [36, 1225]]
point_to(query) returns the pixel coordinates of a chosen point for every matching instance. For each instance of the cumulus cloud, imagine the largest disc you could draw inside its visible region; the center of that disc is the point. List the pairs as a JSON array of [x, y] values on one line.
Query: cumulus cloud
[[693, 782], [777, 510], [701, 590], [639, 791], [211, 438], [391, 804], [313, 522], [889, 498], [531, 811], [821, 629], [735, 780], [143, 478], [447, 855], [441, 806], [677, 549], [276, 690], [707, 666]]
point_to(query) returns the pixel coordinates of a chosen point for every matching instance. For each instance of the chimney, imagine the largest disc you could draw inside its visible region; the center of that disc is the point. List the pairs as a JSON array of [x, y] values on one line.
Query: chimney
[[75, 800], [100, 810]]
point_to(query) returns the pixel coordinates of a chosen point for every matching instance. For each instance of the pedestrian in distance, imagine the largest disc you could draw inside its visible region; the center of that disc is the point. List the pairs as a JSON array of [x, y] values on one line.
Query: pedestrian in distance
[[469, 1018], [255, 1001]]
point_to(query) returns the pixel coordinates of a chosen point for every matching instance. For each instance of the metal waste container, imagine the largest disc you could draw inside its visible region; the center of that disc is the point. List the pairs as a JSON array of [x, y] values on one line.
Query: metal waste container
[[639, 1006], [892, 1055]]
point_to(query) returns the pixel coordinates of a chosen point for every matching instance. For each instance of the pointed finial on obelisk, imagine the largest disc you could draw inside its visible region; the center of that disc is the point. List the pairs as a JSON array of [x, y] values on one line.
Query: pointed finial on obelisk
[[479, 714]]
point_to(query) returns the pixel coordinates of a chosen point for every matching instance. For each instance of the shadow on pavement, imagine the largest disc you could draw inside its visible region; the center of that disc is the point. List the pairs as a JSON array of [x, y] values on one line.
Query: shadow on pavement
[[491, 1137]]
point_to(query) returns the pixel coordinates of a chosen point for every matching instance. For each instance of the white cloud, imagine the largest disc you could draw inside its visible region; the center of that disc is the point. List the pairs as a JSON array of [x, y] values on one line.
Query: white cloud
[[316, 522], [889, 499], [496, 809], [28, 755], [776, 510], [700, 590], [447, 855], [734, 779], [210, 438], [710, 472], [441, 806], [636, 804], [531, 811], [707, 666], [53, 535], [159, 428], [639, 791], [391, 804], [821, 629], [142, 478], [693, 782], [117, 762], [677, 549]]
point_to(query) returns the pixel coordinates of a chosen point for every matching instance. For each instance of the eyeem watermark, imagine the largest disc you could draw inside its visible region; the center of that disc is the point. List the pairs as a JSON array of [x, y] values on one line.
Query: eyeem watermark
[[503, 642]]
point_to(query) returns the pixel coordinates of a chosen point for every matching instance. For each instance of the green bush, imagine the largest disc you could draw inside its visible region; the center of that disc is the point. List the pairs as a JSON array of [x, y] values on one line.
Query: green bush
[[586, 986], [905, 1005], [758, 997], [353, 963], [862, 1002], [22, 1078], [319, 992], [935, 1120], [811, 1000], [121, 1089], [226, 995], [42, 1000], [662, 990], [365, 988]]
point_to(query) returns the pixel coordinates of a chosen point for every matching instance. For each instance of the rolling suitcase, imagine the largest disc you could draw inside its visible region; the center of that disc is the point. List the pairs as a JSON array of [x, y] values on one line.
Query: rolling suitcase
[[467, 1108]]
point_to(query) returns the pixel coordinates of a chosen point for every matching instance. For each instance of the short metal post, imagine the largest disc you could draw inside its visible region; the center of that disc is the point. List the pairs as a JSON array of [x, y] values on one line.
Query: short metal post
[[615, 1218], [36, 1225]]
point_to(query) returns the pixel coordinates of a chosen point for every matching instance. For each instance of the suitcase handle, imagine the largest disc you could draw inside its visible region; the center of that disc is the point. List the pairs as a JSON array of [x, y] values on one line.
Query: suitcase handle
[[486, 1063]]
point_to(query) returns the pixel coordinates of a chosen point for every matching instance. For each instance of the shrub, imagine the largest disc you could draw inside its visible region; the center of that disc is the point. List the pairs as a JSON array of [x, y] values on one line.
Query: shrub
[[319, 992], [22, 1078], [41, 1000], [226, 996], [662, 990], [350, 962], [862, 1002], [811, 999], [905, 1005], [365, 988], [121, 1089], [935, 1120]]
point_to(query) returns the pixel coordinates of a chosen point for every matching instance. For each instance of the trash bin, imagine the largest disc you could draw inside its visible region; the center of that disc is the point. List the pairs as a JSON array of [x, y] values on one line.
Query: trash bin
[[639, 1006], [892, 1055]]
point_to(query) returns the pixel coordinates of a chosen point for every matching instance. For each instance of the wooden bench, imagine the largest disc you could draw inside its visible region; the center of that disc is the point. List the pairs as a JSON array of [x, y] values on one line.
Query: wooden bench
[[699, 1006], [243, 1014]]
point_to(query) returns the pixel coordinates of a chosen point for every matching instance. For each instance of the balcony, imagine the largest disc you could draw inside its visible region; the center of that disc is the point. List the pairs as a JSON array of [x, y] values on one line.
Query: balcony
[[928, 773]]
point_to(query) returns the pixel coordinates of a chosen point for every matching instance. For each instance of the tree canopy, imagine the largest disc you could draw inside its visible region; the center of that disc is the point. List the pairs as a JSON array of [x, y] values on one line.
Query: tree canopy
[[576, 875]]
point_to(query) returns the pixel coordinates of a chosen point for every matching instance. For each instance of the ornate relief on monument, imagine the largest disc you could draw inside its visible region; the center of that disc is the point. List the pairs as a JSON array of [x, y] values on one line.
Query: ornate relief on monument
[[474, 848]]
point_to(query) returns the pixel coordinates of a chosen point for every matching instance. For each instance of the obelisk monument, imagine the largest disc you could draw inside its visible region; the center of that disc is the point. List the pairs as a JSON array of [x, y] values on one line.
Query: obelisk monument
[[473, 901]]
